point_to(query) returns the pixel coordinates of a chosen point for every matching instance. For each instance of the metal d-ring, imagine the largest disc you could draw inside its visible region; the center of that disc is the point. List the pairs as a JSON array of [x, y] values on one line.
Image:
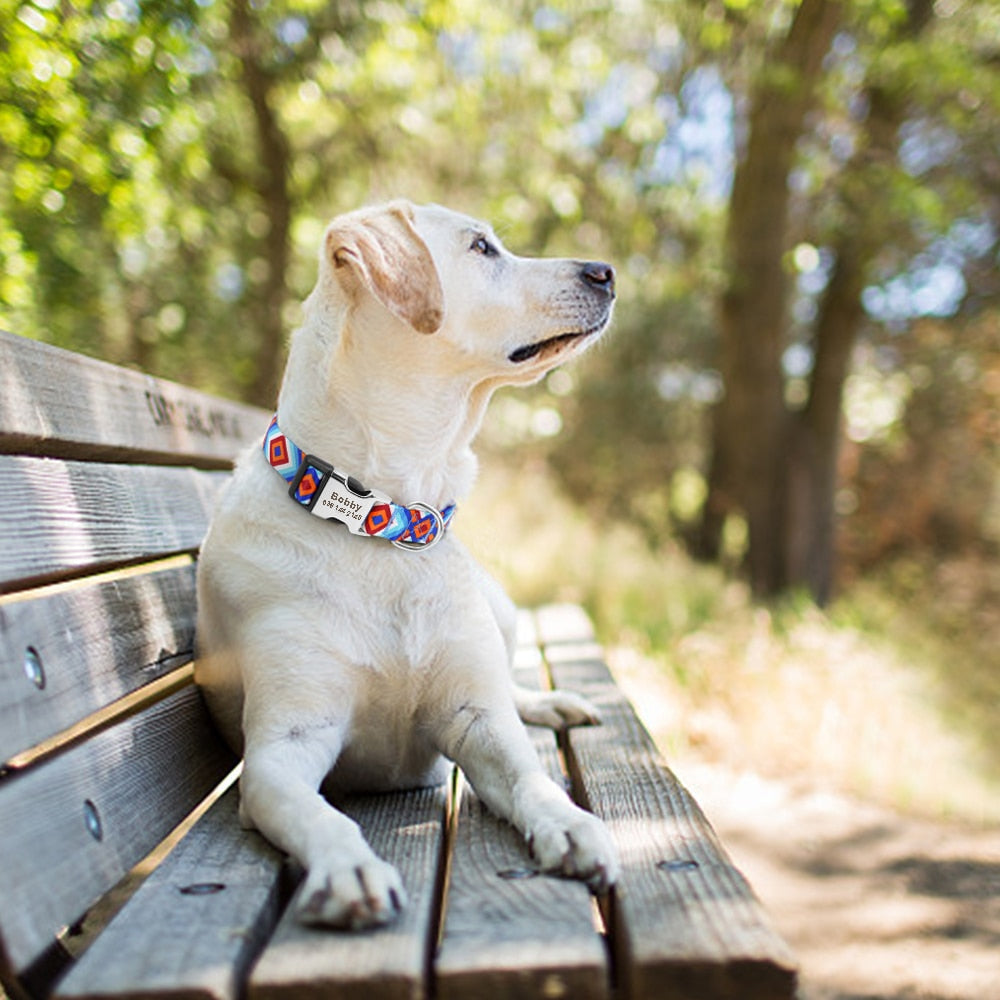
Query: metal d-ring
[[438, 535]]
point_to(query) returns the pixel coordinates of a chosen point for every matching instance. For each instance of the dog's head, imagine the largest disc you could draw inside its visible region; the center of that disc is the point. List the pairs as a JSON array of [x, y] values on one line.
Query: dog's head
[[442, 274]]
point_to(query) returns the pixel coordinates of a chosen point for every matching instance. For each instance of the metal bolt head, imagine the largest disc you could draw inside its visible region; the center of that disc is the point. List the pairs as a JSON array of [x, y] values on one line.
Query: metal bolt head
[[202, 888], [92, 820], [514, 874], [677, 865], [33, 669]]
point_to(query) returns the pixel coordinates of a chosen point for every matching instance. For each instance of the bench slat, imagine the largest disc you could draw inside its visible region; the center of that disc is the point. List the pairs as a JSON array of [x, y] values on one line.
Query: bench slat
[[685, 921], [194, 926], [509, 932], [71, 827], [64, 517], [67, 653], [56, 403], [407, 830]]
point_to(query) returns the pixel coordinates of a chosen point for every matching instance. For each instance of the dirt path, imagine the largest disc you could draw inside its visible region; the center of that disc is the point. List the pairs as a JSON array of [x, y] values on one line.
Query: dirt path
[[876, 905]]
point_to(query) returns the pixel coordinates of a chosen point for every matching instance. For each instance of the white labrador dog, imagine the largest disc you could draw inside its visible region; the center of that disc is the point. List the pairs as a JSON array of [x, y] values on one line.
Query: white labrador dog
[[328, 655]]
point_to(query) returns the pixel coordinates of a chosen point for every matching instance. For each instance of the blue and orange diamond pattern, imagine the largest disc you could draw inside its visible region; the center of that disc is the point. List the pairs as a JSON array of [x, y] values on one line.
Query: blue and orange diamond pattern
[[388, 520], [405, 524], [308, 486], [283, 455]]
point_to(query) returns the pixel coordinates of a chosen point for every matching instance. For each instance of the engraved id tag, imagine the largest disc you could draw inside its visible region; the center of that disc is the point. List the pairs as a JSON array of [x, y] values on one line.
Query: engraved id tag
[[339, 503]]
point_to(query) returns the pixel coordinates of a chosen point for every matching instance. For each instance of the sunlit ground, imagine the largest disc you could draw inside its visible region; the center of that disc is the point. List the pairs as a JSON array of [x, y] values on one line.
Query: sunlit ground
[[890, 694]]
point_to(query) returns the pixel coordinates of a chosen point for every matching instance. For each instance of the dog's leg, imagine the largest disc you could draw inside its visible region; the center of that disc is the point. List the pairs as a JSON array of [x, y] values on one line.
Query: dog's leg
[[484, 736], [496, 755], [347, 884], [556, 709]]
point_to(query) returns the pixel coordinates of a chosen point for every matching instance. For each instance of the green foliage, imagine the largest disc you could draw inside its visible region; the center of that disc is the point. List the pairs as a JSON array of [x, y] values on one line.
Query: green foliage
[[136, 217], [139, 211]]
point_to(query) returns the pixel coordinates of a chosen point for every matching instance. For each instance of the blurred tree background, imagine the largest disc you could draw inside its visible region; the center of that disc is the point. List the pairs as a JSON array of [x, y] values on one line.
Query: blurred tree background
[[802, 198]]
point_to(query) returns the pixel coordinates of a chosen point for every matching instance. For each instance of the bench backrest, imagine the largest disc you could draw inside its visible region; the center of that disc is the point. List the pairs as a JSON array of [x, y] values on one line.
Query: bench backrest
[[107, 479]]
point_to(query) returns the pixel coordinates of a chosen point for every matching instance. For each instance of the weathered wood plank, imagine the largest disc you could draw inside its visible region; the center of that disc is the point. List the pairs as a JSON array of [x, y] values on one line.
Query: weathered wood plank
[[194, 926], [300, 963], [64, 517], [56, 403], [557, 623], [71, 827], [684, 921], [509, 931], [68, 652]]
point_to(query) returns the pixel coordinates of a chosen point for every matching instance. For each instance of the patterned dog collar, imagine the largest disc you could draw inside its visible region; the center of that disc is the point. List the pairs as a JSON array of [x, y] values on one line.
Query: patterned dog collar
[[332, 495]]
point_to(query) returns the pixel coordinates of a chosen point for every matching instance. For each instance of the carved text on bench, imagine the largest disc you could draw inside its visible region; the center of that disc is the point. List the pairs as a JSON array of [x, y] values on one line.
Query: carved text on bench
[[189, 415]]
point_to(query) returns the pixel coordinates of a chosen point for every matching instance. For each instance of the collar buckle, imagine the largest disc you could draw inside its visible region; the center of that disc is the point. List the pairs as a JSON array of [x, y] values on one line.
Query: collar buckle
[[329, 494]]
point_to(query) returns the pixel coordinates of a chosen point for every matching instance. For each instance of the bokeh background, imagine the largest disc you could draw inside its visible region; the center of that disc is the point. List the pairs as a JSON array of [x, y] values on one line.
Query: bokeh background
[[776, 484]]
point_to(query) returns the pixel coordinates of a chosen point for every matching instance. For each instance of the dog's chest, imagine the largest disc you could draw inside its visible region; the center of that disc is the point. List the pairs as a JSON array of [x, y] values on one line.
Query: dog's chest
[[413, 630], [396, 658], [391, 610]]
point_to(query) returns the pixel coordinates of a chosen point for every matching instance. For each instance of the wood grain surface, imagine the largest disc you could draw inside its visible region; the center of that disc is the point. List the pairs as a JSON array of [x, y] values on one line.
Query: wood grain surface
[[510, 931], [66, 517], [63, 405], [684, 921], [71, 827], [390, 963], [194, 926], [68, 652]]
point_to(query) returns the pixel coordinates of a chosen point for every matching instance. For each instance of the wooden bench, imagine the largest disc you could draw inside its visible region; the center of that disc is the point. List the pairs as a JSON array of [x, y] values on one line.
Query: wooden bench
[[123, 870]]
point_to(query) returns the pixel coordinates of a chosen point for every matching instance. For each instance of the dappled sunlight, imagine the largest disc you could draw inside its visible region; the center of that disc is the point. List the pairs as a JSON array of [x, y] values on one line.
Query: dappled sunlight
[[832, 697], [53, 495], [802, 386], [874, 903], [815, 703]]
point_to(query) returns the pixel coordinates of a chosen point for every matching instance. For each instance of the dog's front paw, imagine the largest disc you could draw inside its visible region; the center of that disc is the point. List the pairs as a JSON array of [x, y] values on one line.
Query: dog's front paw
[[555, 709], [355, 896], [578, 846]]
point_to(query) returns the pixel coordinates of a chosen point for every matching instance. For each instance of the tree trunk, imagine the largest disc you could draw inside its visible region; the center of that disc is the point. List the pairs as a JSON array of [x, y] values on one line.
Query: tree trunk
[[271, 183], [814, 444], [750, 424], [815, 432]]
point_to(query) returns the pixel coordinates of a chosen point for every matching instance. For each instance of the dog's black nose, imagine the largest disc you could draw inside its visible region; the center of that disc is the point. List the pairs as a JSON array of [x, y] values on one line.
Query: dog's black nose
[[599, 275]]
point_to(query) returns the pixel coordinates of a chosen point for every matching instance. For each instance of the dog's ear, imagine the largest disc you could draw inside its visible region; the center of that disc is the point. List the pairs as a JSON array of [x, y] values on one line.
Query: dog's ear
[[383, 250]]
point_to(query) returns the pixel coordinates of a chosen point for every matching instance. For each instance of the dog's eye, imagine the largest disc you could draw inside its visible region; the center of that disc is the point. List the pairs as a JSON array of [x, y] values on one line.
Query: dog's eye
[[482, 245]]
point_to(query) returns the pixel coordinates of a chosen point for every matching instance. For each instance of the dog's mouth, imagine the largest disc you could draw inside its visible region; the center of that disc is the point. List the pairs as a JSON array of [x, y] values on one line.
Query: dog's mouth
[[552, 345]]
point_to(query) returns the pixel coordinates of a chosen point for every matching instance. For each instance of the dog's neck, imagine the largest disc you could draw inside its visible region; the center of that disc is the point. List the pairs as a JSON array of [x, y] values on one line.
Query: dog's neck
[[386, 420]]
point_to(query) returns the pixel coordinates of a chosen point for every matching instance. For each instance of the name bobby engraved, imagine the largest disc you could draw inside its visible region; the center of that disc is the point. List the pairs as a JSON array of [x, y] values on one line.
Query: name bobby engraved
[[343, 504]]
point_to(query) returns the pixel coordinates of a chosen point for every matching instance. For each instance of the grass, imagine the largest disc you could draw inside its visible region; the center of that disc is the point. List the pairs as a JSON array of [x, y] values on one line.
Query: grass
[[891, 694]]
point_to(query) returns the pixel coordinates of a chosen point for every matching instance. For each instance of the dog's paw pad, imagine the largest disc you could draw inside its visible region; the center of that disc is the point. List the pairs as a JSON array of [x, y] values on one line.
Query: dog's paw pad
[[370, 894]]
